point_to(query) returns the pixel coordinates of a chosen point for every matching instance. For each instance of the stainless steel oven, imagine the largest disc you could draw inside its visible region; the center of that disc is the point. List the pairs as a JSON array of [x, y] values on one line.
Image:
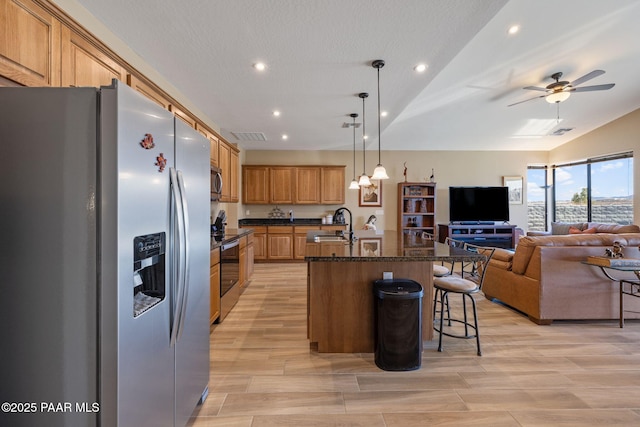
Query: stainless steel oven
[[229, 276]]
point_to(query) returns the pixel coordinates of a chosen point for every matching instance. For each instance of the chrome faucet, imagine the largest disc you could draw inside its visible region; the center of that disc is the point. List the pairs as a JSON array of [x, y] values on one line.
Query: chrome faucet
[[352, 238]]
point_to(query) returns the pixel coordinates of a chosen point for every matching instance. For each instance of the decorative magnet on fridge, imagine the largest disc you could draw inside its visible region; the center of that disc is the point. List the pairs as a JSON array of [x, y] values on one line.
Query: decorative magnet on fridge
[[161, 162], [147, 143]]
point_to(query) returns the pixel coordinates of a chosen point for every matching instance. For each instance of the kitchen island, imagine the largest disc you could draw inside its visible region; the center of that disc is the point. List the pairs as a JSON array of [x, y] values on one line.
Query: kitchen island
[[340, 299]]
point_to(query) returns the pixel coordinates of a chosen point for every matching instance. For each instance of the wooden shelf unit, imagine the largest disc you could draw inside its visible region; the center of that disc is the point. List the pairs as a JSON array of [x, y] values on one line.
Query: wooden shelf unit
[[494, 235], [417, 207]]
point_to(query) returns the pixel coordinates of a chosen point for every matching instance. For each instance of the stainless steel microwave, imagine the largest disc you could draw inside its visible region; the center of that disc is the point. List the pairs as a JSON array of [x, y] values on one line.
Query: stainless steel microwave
[[216, 184]]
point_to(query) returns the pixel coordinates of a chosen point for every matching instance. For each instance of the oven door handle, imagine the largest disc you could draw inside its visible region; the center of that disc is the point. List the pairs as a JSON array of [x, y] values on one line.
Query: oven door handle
[[230, 245]]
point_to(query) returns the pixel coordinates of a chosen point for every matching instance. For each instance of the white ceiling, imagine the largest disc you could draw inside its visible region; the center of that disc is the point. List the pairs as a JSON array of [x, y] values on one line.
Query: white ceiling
[[319, 54]]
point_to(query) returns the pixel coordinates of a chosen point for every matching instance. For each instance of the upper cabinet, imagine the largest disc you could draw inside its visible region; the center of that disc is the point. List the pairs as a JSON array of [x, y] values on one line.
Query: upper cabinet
[[332, 185], [281, 181], [307, 186], [147, 90], [84, 64], [228, 161], [30, 47], [255, 185], [302, 185], [213, 141]]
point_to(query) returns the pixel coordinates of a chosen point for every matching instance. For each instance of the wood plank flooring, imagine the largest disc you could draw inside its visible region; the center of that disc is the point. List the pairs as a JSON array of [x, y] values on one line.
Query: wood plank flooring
[[566, 374]]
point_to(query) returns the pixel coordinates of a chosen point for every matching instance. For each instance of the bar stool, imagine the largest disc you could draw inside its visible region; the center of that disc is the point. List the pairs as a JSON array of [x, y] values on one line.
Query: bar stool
[[438, 270], [454, 284]]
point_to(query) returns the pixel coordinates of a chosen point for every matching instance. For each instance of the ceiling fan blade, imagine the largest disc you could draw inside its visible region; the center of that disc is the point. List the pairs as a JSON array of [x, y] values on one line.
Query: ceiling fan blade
[[592, 88], [526, 100], [586, 77], [535, 88]]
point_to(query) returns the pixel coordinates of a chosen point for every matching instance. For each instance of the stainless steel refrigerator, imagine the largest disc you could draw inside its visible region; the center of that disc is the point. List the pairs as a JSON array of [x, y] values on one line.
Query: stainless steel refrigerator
[[104, 260]]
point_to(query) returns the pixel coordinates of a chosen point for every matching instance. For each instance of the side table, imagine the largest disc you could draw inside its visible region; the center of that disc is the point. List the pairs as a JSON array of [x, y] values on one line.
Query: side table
[[626, 286]]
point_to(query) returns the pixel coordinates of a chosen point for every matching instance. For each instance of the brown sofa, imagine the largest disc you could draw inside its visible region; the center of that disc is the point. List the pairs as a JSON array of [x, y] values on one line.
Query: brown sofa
[[545, 278]]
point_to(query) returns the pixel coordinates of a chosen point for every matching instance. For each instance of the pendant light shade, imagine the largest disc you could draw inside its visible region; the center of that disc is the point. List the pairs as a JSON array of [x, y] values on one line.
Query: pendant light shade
[[354, 183], [379, 172], [364, 178]]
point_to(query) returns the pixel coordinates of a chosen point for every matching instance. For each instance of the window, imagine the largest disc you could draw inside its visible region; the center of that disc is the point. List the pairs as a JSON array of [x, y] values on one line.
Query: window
[[537, 198], [597, 190]]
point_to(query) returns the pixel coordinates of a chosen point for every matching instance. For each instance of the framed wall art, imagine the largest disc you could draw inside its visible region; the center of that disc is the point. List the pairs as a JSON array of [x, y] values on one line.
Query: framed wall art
[[370, 247], [371, 195], [514, 183]]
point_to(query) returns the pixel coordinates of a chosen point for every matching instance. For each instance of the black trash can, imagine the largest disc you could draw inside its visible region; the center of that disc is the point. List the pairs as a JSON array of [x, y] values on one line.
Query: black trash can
[[398, 323]]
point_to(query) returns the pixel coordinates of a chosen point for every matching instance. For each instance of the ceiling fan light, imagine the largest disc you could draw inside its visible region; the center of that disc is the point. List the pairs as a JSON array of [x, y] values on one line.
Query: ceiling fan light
[[380, 173], [556, 97], [364, 181], [354, 185]]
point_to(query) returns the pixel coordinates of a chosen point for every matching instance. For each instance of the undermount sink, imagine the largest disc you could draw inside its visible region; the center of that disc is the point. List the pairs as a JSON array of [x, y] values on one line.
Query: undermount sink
[[328, 238]]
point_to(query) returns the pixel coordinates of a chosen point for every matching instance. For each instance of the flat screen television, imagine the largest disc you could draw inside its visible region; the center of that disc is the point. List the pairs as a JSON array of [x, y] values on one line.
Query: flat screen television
[[478, 204]]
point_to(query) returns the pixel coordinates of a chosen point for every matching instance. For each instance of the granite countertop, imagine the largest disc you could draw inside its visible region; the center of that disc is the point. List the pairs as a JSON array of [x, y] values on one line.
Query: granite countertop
[[390, 246], [282, 221], [230, 235]]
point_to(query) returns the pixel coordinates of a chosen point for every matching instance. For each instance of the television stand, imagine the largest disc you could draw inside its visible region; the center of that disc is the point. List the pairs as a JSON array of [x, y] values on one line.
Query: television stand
[[494, 235], [473, 223]]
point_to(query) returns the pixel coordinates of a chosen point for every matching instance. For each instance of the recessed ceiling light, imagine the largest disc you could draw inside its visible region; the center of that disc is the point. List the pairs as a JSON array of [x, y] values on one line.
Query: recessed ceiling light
[[513, 29], [384, 114], [420, 68], [260, 66], [285, 136], [276, 113]]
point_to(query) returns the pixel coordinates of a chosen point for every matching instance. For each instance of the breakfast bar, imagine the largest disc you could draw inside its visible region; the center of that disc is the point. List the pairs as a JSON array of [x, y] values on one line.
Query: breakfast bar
[[340, 276]]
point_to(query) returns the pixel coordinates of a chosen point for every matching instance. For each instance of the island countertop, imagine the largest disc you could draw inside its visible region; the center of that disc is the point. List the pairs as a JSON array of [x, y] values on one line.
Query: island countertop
[[390, 246]]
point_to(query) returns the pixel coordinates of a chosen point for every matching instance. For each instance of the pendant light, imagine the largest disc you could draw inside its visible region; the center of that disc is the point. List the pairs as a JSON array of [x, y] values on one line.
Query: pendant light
[[364, 178], [379, 172], [354, 184]]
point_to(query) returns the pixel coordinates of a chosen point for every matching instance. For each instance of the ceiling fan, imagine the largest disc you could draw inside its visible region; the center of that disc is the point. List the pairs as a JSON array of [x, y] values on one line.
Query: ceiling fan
[[559, 91]]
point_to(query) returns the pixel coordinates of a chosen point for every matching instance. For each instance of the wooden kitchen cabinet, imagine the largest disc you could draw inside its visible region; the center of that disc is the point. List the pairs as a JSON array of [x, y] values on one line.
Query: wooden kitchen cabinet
[[213, 143], [307, 185], [242, 261], [279, 243], [214, 283], [332, 185], [299, 185], [184, 116], [259, 242], [84, 64], [255, 185], [250, 255], [147, 90], [300, 239], [281, 189], [229, 162], [30, 45], [234, 172]]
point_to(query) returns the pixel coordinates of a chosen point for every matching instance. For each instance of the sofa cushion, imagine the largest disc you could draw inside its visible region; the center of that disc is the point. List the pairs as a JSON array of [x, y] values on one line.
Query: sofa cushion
[[614, 228], [528, 244], [558, 228]]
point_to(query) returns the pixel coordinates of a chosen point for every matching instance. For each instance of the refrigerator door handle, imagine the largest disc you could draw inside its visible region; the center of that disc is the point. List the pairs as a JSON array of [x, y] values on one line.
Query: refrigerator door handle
[[186, 249], [177, 234]]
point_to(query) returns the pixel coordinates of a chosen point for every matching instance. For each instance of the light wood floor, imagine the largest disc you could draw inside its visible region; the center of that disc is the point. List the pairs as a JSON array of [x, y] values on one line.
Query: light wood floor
[[566, 374]]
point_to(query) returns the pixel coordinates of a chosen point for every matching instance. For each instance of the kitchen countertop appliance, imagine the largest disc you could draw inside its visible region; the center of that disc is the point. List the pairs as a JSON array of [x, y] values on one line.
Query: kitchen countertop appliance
[[110, 309], [218, 227]]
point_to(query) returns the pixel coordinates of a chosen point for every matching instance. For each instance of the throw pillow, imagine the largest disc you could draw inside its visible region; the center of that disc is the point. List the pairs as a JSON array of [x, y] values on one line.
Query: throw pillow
[[573, 230], [563, 227]]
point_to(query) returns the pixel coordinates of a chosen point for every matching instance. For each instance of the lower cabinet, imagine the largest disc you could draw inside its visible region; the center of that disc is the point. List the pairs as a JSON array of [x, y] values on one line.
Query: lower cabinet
[[279, 243], [214, 283]]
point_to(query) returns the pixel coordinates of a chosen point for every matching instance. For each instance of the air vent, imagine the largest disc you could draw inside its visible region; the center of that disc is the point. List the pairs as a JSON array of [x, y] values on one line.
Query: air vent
[[349, 125], [561, 131], [249, 136]]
